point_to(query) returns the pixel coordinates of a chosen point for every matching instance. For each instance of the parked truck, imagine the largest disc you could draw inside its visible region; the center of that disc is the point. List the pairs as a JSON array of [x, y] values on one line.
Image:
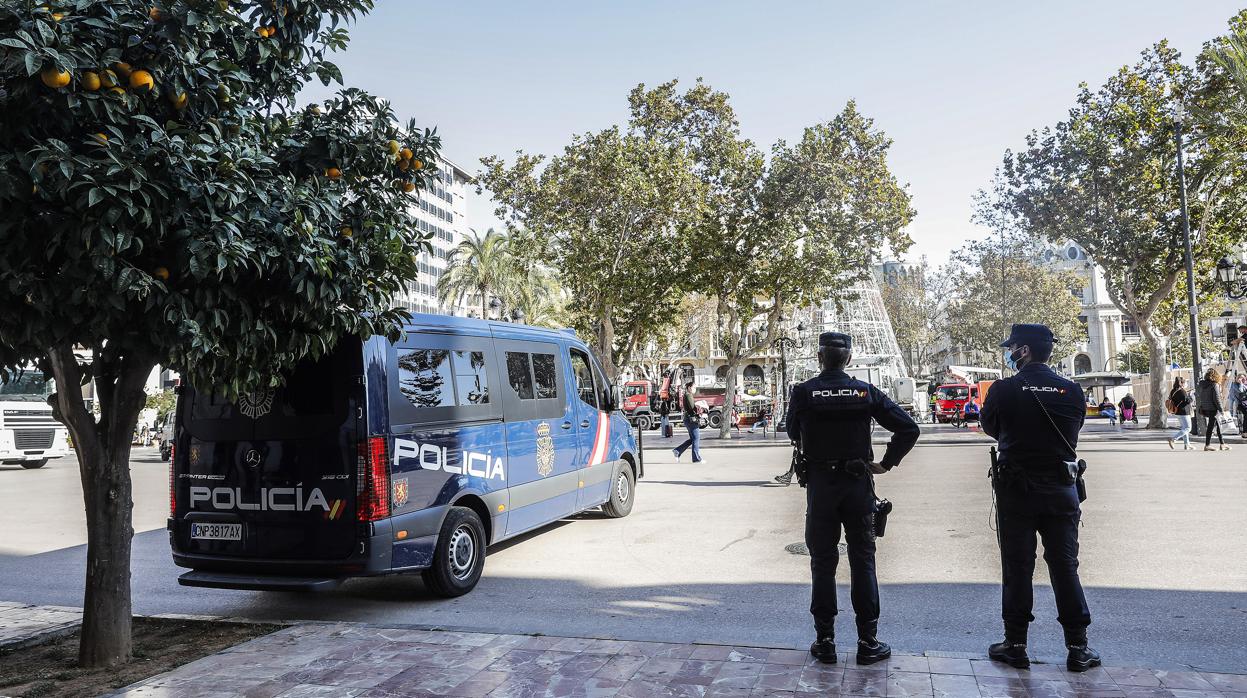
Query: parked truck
[[29, 435], [903, 390], [645, 401]]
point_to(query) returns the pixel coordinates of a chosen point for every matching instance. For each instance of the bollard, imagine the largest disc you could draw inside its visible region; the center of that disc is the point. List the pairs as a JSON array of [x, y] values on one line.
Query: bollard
[[640, 452]]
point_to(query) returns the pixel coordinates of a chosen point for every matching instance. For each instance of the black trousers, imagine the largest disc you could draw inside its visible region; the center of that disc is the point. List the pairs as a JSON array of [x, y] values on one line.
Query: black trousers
[[1212, 424], [835, 500], [1050, 509]]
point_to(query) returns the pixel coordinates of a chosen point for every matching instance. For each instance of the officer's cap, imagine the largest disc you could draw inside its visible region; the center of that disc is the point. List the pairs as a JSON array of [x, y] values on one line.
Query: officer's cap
[[1026, 333], [835, 340]]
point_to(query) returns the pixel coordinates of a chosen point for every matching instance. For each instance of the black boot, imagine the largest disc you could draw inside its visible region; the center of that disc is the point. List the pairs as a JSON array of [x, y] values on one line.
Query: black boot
[[1081, 657], [870, 650], [824, 650], [1011, 653]]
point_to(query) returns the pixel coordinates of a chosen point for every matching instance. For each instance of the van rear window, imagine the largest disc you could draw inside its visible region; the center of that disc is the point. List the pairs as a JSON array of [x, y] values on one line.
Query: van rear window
[[533, 376]]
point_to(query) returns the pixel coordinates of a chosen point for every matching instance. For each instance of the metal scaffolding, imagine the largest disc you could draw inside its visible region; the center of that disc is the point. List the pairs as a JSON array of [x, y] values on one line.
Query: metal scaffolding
[[863, 317]]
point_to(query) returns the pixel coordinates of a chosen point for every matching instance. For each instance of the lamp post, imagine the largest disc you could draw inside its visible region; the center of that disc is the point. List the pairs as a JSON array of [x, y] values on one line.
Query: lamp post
[[1233, 278], [1192, 306], [785, 343]]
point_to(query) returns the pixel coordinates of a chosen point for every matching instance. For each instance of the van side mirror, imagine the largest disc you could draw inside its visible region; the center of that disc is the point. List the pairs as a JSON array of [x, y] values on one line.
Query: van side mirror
[[611, 398]]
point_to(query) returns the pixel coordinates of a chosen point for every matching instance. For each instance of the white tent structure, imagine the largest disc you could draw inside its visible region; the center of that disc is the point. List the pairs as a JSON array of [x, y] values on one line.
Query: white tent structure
[[862, 316]]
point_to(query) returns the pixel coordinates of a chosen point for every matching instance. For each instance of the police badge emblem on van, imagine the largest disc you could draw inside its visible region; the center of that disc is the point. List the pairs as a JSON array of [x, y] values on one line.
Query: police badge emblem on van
[[545, 450]]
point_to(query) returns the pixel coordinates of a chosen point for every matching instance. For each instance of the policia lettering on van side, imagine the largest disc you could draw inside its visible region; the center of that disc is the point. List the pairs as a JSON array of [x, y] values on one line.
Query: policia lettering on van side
[[390, 458]]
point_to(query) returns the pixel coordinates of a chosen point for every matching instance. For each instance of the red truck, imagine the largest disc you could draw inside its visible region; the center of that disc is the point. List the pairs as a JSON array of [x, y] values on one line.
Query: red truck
[[644, 402], [951, 398]]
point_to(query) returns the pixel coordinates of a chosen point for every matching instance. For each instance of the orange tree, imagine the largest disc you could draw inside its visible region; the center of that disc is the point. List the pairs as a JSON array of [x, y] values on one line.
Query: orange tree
[[165, 202]]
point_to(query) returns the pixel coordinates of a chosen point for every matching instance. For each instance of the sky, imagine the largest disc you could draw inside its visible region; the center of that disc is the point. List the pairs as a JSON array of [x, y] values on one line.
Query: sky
[[954, 84]]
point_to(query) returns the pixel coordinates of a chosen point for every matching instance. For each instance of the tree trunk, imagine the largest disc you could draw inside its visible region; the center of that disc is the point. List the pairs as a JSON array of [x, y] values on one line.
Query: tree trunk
[[606, 345], [729, 398], [103, 452], [1157, 374]]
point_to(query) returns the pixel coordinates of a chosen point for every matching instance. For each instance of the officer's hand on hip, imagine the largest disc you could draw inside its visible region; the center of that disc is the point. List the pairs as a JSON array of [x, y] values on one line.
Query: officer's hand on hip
[[876, 468]]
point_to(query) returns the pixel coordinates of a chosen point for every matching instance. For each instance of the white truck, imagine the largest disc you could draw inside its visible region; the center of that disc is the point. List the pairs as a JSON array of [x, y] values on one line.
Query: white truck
[[903, 390], [29, 435]]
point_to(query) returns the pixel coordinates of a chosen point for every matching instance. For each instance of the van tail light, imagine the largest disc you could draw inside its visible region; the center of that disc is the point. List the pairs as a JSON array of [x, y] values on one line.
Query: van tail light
[[372, 487], [173, 502]]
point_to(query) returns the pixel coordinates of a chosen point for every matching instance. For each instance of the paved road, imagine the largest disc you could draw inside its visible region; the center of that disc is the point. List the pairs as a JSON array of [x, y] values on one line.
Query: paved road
[[702, 558]]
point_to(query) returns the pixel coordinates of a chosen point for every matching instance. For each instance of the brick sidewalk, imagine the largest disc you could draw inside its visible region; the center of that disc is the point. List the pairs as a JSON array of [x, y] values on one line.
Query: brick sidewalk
[[358, 660]]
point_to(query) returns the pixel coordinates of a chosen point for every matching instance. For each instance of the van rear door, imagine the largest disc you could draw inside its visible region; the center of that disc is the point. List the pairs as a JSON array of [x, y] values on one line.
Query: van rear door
[[272, 476]]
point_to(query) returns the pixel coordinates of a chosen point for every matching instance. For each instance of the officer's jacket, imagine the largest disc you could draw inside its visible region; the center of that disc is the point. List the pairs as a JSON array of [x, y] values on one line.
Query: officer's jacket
[[830, 416], [1011, 415]]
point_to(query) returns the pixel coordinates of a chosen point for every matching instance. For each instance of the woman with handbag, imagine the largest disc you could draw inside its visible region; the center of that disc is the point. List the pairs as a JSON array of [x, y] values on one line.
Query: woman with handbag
[[1179, 403], [1210, 406]]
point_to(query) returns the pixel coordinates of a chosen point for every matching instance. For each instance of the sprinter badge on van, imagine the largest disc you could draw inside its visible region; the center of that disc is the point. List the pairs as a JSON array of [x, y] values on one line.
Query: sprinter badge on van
[[256, 404], [545, 450]]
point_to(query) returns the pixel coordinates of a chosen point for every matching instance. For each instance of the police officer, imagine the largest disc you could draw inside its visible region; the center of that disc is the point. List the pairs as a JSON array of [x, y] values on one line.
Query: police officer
[[829, 420], [1035, 416]]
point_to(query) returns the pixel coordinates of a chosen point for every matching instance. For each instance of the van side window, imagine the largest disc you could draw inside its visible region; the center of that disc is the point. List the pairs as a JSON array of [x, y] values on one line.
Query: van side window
[[544, 371], [424, 377], [583, 373], [471, 378], [519, 374]]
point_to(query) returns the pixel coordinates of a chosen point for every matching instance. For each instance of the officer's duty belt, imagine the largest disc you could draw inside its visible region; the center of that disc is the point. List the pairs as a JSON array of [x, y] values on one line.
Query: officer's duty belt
[[851, 466]]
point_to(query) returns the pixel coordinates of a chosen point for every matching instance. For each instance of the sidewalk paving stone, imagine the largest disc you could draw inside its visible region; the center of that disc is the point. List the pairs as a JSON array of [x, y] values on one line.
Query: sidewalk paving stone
[[24, 624]]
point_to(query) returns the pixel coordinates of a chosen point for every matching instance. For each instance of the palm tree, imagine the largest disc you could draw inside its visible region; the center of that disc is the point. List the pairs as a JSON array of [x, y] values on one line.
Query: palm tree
[[478, 266]]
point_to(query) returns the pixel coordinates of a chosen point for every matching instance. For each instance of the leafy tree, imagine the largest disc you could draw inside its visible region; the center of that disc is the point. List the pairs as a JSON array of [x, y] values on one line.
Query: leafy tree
[[775, 237], [917, 304], [164, 202], [163, 402], [979, 314], [608, 215], [1106, 179]]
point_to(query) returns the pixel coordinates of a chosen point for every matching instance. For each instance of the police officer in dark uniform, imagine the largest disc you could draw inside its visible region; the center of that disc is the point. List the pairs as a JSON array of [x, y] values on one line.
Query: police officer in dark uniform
[[1035, 416], [829, 421]]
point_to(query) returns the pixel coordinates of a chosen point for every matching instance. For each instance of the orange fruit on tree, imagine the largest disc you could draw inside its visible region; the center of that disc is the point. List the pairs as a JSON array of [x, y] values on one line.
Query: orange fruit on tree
[[161, 273], [417, 164], [393, 146], [101, 138], [404, 165], [58, 16], [347, 232], [117, 91], [409, 187], [405, 153], [108, 78], [179, 100], [155, 14], [123, 69], [56, 79], [141, 80], [90, 81], [333, 172]]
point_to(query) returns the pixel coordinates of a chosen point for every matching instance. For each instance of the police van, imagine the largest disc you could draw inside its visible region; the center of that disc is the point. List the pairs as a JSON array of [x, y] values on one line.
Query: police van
[[385, 458]]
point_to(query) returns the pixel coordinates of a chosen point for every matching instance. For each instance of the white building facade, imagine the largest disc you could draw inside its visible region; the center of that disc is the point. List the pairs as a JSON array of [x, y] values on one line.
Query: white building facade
[[442, 213], [1109, 331]]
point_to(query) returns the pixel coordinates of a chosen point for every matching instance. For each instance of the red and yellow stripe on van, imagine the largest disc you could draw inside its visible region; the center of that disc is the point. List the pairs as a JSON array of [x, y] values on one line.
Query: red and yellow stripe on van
[[601, 440]]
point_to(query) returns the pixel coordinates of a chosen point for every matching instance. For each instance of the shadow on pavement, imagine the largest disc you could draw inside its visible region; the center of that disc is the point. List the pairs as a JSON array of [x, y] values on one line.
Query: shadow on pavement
[[1160, 627]]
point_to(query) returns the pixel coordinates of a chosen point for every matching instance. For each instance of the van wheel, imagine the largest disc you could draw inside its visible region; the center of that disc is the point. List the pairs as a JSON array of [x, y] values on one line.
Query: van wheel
[[459, 557], [716, 420], [643, 422], [32, 464], [623, 493]]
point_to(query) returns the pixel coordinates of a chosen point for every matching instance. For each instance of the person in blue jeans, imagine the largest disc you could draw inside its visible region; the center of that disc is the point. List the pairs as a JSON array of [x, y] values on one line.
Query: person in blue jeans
[[688, 409]]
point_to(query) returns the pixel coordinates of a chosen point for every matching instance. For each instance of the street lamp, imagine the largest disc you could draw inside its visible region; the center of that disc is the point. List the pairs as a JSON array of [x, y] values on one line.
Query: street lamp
[[1192, 306], [1233, 277], [785, 343]]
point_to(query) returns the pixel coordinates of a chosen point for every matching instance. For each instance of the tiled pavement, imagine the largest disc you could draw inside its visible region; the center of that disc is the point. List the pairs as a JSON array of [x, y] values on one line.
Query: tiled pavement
[[23, 624], [360, 660]]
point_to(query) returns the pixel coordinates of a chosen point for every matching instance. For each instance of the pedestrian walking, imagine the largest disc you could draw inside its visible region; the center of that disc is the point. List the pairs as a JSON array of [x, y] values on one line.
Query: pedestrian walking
[[1210, 407], [1179, 404], [1129, 409], [829, 421], [1035, 417], [688, 408]]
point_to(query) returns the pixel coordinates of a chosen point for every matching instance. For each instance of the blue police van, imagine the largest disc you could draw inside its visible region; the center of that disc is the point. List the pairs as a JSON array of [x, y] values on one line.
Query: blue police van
[[394, 457]]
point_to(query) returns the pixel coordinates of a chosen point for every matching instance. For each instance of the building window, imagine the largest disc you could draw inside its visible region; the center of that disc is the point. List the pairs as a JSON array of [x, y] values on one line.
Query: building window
[[1129, 328], [1082, 364]]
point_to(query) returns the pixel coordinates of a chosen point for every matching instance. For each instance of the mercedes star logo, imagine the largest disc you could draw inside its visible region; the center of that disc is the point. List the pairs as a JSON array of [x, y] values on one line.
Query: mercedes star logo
[[252, 458]]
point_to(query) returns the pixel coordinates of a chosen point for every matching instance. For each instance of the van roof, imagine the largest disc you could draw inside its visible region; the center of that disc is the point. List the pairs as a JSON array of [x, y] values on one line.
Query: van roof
[[430, 321]]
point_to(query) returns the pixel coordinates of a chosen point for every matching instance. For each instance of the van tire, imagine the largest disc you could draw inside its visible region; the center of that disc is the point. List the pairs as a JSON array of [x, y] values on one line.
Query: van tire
[[623, 493], [33, 464], [643, 422], [456, 572], [716, 419]]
